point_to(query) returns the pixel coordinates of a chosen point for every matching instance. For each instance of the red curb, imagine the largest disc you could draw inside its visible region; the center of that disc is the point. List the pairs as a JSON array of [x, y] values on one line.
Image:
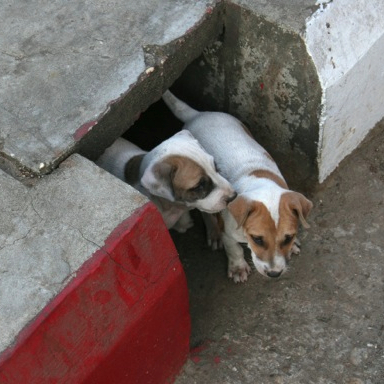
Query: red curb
[[124, 318]]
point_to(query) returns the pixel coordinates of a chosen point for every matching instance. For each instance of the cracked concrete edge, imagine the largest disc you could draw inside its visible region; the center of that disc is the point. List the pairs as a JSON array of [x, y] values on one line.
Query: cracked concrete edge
[[49, 230], [163, 65]]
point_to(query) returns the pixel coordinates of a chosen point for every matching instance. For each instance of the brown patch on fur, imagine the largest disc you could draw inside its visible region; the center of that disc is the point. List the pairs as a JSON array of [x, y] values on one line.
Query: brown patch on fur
[[132, 169], [276, 240], [262, 173], [186, 175], [257, 222], [260, 224], [294, 204], [240, 209]]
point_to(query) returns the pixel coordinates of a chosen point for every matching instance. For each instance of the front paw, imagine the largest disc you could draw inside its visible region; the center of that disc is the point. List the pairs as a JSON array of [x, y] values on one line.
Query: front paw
[[214, 239], [296, 247], [213, 230], [239, 272]]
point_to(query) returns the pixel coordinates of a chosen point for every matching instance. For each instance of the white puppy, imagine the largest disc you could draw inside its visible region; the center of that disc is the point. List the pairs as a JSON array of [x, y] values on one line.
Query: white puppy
[[177, 175], [265, 215]]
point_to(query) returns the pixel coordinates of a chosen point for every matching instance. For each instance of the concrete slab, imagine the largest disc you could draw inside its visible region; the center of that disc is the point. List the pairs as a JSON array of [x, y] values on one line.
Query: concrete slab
[[122, 315], [49, 230], [65, 64], [289, 16]]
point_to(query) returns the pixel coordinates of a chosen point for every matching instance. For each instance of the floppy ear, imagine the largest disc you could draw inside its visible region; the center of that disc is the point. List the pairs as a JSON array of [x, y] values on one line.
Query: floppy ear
[[240, 209], [157, 179], [301, 206]]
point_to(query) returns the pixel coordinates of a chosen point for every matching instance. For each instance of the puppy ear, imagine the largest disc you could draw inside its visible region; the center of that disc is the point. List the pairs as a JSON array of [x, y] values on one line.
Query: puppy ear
[[240, 209], [301, 206], [157, 179]]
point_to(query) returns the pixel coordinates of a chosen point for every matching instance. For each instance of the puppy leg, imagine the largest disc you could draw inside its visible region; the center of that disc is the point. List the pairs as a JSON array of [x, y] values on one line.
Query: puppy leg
[[212, 230], [238, 268], [184, 223], [296, 247]]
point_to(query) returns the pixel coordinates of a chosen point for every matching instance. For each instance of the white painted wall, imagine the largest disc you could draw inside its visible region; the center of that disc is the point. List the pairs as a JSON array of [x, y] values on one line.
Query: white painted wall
[[346, 41]]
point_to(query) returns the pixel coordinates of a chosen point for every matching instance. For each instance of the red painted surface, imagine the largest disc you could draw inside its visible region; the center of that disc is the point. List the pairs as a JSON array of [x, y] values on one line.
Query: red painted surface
[[124, 318], [83, 130]]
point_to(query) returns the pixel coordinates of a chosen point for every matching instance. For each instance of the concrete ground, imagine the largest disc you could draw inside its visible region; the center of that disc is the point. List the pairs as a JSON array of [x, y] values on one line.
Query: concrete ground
[[323, 321]]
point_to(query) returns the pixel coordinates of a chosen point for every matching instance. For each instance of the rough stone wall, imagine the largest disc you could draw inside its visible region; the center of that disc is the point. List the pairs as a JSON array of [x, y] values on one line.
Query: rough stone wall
[[262, 74]]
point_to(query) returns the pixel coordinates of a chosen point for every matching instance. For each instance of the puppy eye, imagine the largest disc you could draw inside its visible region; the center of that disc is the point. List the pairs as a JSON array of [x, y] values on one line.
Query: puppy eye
[[258, 240], [200, 185], [288, 239]]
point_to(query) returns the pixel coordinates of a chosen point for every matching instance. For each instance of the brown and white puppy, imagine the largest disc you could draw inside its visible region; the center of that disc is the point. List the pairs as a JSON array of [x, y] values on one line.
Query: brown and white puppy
[[177, 175], [266, 214]]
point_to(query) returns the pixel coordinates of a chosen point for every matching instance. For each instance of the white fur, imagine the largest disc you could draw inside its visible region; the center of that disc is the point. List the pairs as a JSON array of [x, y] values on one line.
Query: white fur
[[117, 155], [115, 158], [237, 156]]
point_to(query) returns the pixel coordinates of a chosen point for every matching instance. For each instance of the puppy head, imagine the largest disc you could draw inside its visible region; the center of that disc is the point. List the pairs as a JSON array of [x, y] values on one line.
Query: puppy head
[[183, 172], [271, 227]]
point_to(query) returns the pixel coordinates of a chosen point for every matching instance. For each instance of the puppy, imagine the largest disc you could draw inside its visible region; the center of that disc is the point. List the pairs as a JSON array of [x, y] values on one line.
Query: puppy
[[265, 214], [177, 175]]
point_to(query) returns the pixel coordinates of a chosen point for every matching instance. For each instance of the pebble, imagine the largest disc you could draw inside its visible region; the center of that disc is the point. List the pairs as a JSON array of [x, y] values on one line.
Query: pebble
[[358, 355]]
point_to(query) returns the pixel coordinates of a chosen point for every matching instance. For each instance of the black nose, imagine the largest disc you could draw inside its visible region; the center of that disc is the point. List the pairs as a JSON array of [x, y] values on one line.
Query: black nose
[[274, 274], [231, 198]]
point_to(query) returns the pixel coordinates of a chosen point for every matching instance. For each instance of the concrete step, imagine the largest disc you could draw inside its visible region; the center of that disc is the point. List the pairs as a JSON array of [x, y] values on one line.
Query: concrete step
[[92, 289]]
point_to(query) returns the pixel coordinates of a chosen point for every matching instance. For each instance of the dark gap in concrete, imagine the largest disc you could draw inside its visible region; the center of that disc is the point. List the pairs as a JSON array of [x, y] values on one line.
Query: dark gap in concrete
[[155, 125]]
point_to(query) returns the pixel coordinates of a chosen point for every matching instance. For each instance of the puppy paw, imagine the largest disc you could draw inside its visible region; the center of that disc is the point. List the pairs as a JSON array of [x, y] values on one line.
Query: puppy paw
[[213, 231], [296, 247], [214, 239], [239, 273], [214, 243]]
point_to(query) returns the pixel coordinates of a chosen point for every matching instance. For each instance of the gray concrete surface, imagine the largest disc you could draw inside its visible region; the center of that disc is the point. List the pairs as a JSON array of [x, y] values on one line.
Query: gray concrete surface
[[65, 65], [48, 230], [320, 323]]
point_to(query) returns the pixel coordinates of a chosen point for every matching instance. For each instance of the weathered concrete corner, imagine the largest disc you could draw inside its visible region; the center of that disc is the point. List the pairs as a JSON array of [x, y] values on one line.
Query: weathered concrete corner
[[260, 71], [48, 231], [283, 70], [78, 63], [347, 52]]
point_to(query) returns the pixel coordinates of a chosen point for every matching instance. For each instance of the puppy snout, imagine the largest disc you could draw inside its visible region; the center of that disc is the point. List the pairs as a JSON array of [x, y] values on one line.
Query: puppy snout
[[231, 198], [274, 273]]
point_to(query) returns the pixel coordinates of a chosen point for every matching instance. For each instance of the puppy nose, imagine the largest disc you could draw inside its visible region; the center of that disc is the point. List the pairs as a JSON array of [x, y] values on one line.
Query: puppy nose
[[231, 198], [274, 274]]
